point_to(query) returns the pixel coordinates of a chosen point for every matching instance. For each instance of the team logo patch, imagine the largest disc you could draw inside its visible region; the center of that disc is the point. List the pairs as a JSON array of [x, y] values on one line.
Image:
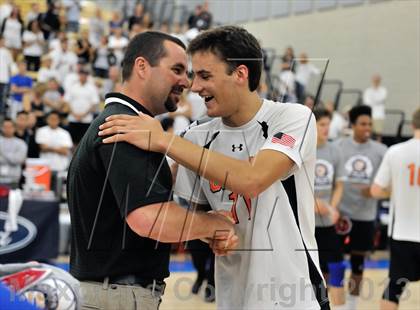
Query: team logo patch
[[359, 169], [283, 139], [324, 172]]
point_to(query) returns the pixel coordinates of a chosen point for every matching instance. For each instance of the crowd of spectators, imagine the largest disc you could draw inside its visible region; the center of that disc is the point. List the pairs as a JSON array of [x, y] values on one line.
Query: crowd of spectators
[[54, 68]]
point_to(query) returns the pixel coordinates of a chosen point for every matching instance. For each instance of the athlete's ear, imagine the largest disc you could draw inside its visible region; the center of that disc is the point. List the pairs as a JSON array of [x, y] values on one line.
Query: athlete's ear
[[242, 74], [141, 67]]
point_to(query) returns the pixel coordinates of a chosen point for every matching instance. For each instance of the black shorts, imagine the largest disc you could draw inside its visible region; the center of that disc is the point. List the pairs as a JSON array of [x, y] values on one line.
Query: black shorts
[[360, 238], [405, 261], [329, 247]]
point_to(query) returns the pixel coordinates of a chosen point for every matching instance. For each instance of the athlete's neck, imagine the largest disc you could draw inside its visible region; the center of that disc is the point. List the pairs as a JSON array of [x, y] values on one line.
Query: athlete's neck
[[248, 107], [320, 142], [416, 134]]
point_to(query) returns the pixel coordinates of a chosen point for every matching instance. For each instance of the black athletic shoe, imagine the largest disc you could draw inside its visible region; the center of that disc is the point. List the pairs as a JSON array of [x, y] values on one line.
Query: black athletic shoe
[[209, 293], [196, 286]]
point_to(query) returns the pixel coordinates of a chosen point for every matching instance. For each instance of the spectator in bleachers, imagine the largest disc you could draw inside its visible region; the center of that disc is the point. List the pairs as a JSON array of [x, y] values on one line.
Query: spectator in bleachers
[[52, 98], [54, 44], [309, 101], [20, 85], [304, 72], [55, 143], [12, 155], [33, 45], [375, 97], [116, 22], [112, 83], [289, 56], [182, 115], [338, 123], [6, 65], [33, 14], [12, 29], [84, 48], [46, 72], [31, 127], [135, 30], [97, 28], [73, 9], [37, 107], [137, 18], [164, 27], [73, 77], [201, 18], [5, 10], [82, 99], [117, 43], [147, 21], [64, 60], [50, 21], [26, 134], [100, 60], [287, 83]]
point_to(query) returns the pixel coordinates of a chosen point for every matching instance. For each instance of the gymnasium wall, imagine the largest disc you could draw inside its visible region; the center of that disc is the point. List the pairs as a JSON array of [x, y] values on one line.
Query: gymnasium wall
[[382, 37]]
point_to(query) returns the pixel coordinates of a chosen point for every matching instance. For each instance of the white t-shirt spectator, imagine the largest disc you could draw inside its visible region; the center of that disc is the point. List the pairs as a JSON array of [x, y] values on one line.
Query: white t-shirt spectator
[[46, 74], [35, 41], [73, 78], [375, 98], [6, 64], [304, 73], [63, 62], [12, 33], [337, 126], [118, 45], [81, 99], [54, 138]]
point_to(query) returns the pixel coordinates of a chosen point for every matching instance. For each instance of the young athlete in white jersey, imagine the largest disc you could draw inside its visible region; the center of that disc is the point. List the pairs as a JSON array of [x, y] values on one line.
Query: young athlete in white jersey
[[398, 177], [256, 159]]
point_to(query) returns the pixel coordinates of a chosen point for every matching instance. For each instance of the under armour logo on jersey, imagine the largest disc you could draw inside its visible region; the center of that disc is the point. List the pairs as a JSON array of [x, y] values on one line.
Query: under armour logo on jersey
[[234, 147], [264, 127]]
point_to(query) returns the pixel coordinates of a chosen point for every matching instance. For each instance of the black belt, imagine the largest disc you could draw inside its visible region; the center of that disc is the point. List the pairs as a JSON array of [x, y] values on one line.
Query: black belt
[[152, 284]]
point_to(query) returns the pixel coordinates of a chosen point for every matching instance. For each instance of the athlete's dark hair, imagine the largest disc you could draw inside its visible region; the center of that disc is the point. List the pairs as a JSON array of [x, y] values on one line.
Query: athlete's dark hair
[[321, 113], [149, 45], [235, 46], [359, 110]]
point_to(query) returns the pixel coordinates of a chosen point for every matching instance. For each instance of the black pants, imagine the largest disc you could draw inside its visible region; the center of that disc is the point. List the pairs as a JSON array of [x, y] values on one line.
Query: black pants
[[203, 260]]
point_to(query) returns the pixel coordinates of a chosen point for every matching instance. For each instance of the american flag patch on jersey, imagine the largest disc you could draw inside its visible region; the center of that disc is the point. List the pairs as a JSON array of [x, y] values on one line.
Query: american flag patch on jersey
[[283, 139]]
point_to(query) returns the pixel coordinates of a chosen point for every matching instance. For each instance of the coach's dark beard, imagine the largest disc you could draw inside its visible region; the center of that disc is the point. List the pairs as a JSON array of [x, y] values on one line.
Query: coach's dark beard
[[170, 104]]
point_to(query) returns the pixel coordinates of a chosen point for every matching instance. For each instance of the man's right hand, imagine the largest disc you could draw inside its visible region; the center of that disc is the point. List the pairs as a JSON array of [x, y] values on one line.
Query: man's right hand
[[224, 240]]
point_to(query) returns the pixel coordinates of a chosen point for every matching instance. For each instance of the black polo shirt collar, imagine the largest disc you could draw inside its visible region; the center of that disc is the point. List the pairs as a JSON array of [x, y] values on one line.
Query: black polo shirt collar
[[127, 101]]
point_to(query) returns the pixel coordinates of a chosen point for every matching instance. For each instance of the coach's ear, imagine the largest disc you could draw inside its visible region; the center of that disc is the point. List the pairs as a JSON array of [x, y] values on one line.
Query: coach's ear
[[141, 67], [242, 75]]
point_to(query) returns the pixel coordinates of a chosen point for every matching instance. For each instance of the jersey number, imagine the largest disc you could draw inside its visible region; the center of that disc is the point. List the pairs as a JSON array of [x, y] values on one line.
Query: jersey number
[[413, 170], [215, 187]]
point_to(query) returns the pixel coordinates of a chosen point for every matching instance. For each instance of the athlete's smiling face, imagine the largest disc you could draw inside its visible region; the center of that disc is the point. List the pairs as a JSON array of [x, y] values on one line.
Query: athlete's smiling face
[[215, 84]]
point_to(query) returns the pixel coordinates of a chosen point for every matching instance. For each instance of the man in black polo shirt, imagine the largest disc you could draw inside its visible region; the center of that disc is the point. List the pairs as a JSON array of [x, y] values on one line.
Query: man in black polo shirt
[[120, 197]]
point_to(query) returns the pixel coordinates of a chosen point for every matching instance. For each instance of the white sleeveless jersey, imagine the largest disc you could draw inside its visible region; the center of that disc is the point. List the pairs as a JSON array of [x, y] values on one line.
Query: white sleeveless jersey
[[271, 268], [400, 170]]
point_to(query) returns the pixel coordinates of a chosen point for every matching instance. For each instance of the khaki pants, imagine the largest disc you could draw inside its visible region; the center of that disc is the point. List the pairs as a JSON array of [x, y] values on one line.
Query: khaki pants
[[106, 296]]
